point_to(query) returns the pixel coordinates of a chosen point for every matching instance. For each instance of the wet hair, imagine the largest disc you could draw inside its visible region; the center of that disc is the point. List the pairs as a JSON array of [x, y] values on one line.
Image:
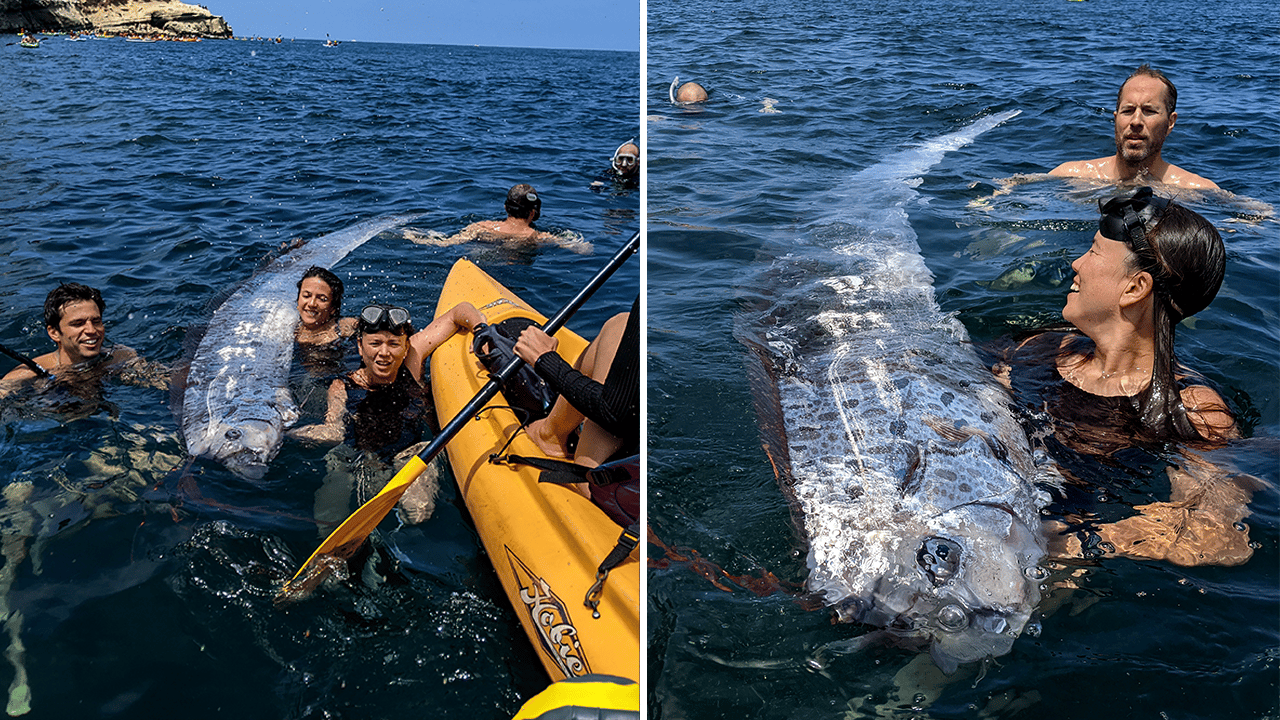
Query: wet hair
[[333, 281], [1186, 258], [68, 293], [522, 201], [1145, 70]]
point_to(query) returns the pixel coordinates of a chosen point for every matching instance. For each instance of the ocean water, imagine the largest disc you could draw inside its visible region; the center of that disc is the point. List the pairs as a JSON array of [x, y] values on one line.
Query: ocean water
[[165, 174], [732, 183]]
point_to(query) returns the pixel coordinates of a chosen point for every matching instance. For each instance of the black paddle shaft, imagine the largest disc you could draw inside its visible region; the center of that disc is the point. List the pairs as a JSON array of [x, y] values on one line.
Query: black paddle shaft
[[555, 323], [25, 361]]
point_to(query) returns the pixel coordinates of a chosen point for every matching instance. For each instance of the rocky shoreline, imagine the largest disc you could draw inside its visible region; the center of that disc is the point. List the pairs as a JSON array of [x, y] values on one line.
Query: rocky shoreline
[[146, 18]]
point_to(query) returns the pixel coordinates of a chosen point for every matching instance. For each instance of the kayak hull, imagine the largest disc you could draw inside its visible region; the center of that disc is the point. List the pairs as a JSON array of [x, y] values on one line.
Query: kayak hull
[[545, 541]]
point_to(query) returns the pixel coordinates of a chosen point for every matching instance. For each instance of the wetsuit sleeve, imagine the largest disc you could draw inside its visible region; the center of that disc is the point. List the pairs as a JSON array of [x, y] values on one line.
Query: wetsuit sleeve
[[615, 404]]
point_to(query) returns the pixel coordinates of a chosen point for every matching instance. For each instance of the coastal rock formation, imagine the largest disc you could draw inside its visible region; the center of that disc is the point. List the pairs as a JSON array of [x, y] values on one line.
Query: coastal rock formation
[[113, 17]]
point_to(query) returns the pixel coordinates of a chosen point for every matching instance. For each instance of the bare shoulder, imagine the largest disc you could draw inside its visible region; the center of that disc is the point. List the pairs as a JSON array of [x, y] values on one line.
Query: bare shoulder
[[346, 326], [18, 375], [122, 353], [1090, 169], [1182, 178], [1209, 413]]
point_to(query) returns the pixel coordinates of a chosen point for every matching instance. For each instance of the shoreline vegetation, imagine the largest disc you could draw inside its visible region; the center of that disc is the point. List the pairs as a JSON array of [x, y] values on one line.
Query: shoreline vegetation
[[130, 19]]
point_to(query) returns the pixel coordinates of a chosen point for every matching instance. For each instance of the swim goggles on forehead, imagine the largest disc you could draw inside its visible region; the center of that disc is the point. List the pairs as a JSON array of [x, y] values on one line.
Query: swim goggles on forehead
[[1126, 217], [376, 318]]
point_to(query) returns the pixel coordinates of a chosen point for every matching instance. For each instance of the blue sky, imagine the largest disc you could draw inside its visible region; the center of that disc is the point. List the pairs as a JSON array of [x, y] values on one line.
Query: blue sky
[[583, 24]]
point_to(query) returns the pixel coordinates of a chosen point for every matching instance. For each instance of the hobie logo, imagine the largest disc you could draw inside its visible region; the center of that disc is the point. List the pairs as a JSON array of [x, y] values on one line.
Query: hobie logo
[[551, 619]]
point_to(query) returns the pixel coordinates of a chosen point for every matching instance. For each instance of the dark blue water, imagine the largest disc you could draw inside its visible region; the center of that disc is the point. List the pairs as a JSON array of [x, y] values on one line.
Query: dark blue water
[[853, 82], [164, 174]]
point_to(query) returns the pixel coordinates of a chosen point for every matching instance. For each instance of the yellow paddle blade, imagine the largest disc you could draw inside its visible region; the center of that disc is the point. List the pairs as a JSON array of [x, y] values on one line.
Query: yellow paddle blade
[[351, 534]]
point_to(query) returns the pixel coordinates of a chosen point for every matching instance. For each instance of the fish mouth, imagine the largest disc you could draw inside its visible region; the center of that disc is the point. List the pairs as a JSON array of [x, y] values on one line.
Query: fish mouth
[[246, 463]]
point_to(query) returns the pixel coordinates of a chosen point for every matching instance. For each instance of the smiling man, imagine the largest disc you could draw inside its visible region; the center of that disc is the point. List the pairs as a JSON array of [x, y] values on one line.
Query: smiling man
[[73, 319], [1145, 113]]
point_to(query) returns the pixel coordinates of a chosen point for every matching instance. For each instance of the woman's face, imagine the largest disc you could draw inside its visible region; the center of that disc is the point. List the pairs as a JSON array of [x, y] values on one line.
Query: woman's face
[[383, 353], [315, 302], [1101, 275]]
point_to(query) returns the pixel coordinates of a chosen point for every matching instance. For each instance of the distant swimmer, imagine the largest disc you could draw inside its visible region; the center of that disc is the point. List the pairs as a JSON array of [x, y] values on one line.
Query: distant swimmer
[[624, 167], [626, 160], [1145, 113], [690, 92], [523, 206], [73, 320]]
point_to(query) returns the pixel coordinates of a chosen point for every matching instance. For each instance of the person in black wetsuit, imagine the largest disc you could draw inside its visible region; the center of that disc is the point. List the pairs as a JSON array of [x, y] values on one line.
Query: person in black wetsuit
[[1116, 384], [601, 392], [624, 168]]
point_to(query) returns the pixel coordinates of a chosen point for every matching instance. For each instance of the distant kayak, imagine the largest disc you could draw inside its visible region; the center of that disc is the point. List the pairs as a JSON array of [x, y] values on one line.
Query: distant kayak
[[29, 43]]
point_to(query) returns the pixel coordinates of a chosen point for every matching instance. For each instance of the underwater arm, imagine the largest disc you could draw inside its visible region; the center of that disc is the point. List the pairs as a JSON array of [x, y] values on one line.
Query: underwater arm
[[1201, 524], [330, 432], [139, 371], [571, 242]]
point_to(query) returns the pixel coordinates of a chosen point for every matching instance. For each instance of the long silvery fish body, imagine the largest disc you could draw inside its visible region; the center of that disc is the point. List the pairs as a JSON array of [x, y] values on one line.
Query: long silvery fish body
[[237, 403], [916, 488]]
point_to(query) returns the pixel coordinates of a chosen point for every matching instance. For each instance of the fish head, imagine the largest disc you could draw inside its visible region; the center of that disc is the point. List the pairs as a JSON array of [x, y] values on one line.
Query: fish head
[[964, 586], [245, 446], [985, 577]]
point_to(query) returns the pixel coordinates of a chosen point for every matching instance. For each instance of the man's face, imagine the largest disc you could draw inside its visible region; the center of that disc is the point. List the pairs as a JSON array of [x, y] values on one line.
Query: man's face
[[627, 160], [80, 333], [383, 353], [1143, 119]]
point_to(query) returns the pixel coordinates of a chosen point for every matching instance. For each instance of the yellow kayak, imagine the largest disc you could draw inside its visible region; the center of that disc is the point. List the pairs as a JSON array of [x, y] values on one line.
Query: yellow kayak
[[545, 541]]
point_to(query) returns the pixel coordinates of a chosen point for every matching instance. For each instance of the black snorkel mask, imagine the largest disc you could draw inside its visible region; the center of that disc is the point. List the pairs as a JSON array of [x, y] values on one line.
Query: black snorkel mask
[[379, 318], [1127, 217]]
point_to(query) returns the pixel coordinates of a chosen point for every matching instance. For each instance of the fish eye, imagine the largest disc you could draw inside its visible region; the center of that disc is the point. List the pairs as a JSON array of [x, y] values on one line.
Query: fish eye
[[953, 618], [939, 558]]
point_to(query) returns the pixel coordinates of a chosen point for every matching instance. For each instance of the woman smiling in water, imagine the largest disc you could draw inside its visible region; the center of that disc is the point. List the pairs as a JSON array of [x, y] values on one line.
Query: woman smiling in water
[[1116, 384], [320, 308]]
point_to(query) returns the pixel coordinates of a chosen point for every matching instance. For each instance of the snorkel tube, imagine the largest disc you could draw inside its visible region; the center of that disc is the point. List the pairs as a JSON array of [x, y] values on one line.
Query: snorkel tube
[[671, 91]]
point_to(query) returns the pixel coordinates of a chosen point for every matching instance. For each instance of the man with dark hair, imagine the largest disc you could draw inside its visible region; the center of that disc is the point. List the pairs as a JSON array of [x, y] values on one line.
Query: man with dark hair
[[523, 207], [1145, 113], [73, 320]]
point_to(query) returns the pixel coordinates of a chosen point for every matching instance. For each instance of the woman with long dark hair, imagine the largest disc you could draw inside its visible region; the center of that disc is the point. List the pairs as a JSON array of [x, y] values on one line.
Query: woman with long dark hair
[[1115, 382]]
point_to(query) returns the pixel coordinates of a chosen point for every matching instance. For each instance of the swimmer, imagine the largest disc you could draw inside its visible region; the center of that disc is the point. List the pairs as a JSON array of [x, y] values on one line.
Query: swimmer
[[624, 168], [1145, 113], [523, 206], [392, 357], [1116, 383], [380, 409], [320, 320], [690, 92], [626, 160], [73, 321]]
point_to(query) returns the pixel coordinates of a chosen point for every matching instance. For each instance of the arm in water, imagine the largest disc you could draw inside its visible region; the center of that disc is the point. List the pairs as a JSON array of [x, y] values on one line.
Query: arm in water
[[331, 431], [1201, 524]]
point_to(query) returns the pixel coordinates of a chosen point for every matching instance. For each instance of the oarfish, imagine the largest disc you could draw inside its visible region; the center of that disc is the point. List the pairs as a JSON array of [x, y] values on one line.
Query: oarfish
[[236, 403], [917, 490]]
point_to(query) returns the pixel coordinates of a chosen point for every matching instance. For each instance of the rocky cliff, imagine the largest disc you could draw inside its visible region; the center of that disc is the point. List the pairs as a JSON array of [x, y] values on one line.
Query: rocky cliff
[[115, 17]]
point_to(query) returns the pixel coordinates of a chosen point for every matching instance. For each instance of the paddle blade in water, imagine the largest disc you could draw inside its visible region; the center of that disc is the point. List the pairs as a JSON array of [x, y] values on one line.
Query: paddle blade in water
[[343, 542]]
